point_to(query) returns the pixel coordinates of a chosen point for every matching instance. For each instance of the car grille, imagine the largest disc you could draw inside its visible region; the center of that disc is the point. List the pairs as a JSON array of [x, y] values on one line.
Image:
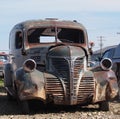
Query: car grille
[[62, 70], [86, 89], [55, 89], [66, 86]]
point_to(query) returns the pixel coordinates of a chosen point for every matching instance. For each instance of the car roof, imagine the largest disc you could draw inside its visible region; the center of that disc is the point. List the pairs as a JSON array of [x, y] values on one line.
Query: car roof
[[49, 23], [117, 52], [110, 52]]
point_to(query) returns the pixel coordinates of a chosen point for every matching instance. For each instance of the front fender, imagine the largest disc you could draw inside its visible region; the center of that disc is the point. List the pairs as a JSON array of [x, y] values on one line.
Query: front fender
[[106, 85], [30, 85], [8, 75]]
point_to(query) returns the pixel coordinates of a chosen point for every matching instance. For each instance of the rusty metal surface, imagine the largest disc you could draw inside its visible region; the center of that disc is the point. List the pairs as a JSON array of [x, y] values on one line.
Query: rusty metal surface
[[92, 86], [62, 75], [50, 23], [30, 85], [74, 87], [69, 84], [106, 85]]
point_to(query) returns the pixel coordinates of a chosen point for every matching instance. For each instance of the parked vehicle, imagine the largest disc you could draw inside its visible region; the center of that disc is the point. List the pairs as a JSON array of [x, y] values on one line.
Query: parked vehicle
[[49, 62], [3, 60], [114, 55]]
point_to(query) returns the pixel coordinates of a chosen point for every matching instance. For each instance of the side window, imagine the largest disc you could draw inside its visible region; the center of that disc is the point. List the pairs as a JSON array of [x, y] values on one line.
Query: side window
[[106, 54], [18, 40]]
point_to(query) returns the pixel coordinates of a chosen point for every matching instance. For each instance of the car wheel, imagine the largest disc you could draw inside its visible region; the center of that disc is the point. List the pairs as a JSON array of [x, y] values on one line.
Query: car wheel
[[9, 97], [104, 106], [119, 90], [24, 107]]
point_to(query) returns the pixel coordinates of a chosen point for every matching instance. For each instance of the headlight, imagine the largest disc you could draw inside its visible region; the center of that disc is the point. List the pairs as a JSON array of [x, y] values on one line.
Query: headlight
[[106, 64], [29, 65]]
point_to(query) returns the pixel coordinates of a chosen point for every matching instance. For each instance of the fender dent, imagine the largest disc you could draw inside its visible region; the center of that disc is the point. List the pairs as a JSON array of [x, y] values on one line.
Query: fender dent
[[30, 85], [106, 85]]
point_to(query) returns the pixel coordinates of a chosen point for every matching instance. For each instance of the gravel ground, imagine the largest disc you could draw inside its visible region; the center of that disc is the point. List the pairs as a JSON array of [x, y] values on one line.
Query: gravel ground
[[11, 110]]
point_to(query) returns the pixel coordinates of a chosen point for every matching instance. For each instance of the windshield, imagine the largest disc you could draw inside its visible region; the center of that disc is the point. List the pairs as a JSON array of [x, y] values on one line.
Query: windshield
[[51, 35]]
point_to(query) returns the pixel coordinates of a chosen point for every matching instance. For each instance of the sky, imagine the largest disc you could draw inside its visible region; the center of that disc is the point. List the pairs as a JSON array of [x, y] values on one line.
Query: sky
[[100, 17]]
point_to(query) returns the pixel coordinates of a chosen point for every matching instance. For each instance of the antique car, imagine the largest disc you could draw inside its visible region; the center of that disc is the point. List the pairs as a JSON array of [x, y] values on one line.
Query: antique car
[[50, 63], [3, 59], [114, 55]]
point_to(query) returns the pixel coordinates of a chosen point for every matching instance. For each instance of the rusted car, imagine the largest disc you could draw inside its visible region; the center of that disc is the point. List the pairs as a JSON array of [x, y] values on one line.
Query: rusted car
[[114, 55], [49, 62], [3, 59]]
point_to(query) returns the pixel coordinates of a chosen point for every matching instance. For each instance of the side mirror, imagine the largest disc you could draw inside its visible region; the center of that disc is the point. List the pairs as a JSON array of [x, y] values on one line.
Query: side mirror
[[91, 44], [90, 51]]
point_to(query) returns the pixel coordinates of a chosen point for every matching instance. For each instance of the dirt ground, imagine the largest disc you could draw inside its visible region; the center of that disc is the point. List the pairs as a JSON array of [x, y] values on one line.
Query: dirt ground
[[11, 110]]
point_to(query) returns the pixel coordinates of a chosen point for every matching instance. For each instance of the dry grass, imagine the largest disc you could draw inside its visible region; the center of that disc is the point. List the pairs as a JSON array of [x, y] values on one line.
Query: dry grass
[[1, 86], [1, 82]]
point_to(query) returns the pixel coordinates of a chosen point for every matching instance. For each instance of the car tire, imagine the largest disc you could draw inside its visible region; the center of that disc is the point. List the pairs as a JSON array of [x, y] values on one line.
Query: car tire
[[24, 107], [9, 97], [104, 106]]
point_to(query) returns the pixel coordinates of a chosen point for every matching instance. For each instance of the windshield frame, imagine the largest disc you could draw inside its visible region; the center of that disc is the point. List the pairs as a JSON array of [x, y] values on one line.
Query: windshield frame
[[55, 31]]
